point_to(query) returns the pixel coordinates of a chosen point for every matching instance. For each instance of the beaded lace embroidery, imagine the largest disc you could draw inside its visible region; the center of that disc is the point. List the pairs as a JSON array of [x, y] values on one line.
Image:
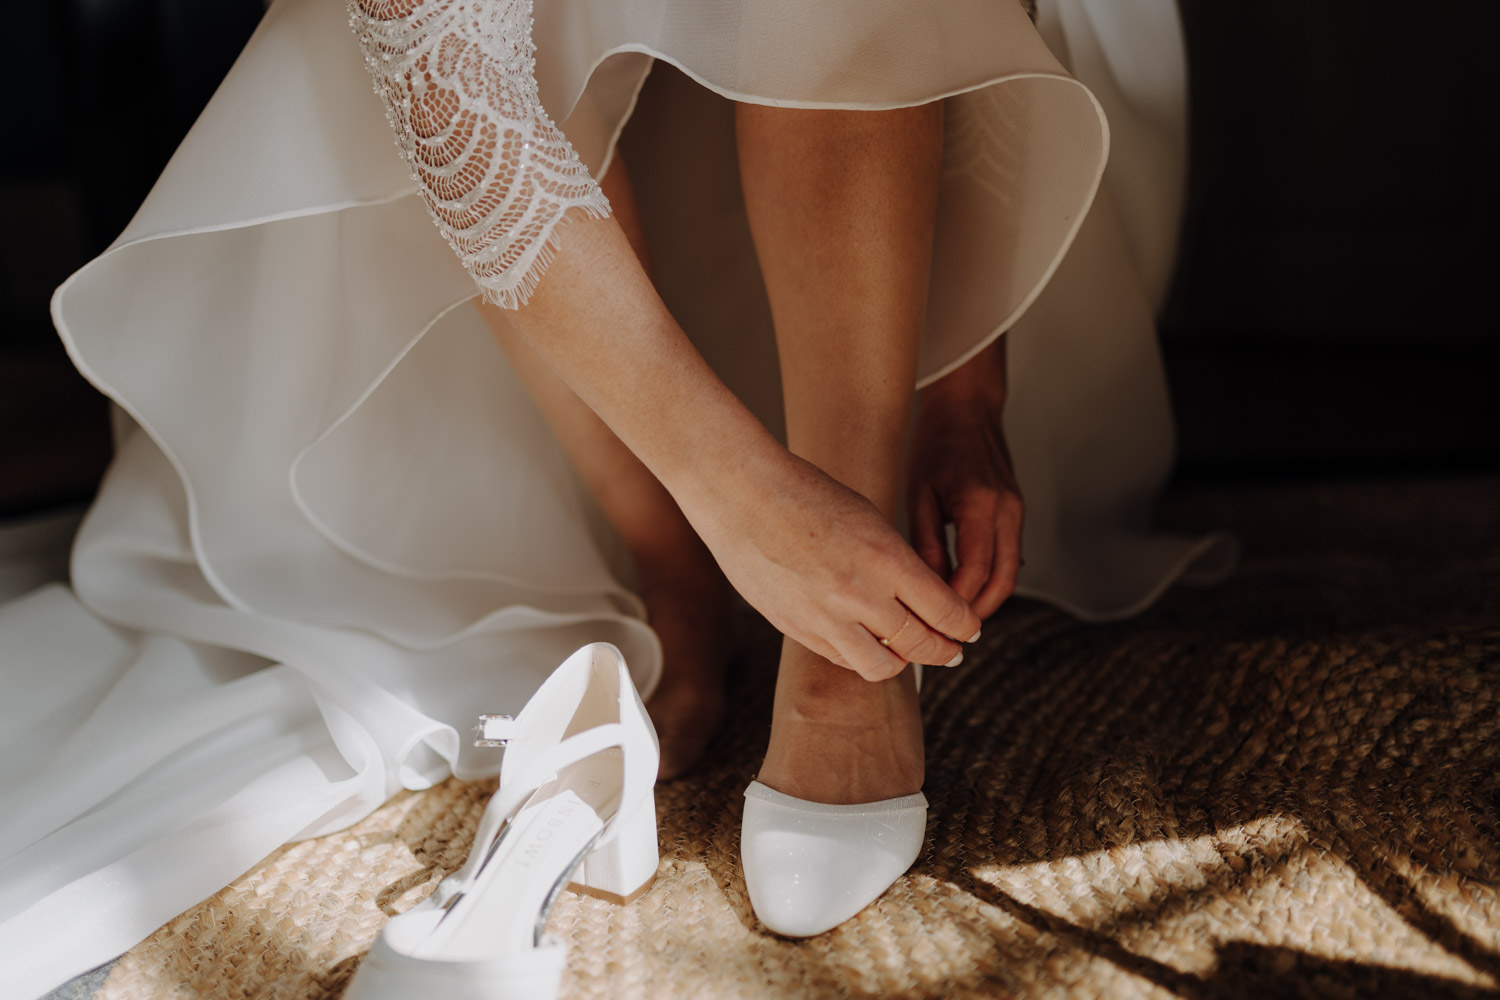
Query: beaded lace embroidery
[[458, 81]]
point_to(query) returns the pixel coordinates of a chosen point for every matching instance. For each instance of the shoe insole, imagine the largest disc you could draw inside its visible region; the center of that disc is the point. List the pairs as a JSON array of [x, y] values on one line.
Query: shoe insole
[[539, 848]]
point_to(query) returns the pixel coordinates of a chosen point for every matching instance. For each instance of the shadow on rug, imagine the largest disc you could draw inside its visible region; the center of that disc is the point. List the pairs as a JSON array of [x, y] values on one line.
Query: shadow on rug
[[1285, 785]]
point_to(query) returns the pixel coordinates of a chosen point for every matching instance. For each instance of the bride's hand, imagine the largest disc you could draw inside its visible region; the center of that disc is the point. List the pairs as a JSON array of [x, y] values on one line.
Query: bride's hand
[[826, 568], [961, 473]]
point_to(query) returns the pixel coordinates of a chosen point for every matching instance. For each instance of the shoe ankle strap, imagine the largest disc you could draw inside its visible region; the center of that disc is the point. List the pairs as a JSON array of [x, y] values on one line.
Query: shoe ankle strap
[[518, 785]]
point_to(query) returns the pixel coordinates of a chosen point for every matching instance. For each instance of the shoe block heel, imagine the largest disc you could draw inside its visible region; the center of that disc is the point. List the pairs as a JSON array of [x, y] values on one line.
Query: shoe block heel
[[622, 870]]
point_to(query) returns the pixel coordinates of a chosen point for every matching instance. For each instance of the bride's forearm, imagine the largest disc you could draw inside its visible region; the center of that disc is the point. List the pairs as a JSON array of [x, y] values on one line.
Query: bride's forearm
[[598, 322]]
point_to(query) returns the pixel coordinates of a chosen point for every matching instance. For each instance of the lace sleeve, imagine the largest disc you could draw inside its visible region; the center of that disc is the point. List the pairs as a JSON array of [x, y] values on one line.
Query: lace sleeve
[[458, 81]]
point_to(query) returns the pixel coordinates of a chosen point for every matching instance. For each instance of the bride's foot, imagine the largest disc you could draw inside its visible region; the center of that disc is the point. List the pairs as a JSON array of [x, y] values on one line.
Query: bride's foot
[[839, 739], [690, 613], [836, 815]]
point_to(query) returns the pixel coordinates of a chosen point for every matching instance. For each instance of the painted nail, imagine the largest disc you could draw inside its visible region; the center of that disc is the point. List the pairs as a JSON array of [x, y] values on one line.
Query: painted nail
[[974, 637], [957, 659]]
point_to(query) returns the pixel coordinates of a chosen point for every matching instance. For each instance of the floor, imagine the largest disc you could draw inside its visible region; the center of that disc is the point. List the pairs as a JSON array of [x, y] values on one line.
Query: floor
[[1283, 785]]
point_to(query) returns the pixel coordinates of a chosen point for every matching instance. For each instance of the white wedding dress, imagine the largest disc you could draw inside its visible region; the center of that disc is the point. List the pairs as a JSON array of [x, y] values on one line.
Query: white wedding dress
[[336, 529]]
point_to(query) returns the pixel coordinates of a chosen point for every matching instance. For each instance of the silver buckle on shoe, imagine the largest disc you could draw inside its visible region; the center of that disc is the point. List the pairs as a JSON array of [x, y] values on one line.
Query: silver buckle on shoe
[[494, 730]]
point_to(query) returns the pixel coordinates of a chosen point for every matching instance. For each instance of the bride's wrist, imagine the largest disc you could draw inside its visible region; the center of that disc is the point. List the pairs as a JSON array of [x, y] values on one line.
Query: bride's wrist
[[735, 468], [980, 381]]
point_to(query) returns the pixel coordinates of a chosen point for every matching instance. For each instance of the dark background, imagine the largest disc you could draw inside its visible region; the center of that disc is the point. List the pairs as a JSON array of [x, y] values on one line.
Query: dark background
[[1329, 318], [1334, 307]]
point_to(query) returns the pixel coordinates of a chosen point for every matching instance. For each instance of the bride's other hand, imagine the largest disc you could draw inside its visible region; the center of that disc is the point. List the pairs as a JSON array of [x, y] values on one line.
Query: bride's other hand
[[961, 474], [826, 568]]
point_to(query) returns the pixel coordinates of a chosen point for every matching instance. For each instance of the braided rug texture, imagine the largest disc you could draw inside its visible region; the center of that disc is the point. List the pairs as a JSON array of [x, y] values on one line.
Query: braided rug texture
[[1286, 785]]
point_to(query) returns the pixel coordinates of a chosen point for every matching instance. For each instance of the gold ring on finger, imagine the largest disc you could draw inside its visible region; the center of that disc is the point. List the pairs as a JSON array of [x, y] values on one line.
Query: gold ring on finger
[[892, 637]]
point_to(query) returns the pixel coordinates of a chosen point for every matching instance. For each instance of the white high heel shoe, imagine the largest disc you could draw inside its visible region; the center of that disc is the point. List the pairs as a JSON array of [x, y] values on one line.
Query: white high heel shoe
[[575, 807], [809, 866]]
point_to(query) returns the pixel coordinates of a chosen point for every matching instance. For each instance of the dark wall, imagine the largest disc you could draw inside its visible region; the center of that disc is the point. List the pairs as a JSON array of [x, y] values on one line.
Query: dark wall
[[111, 86], [1330, 312], [1330, 309]]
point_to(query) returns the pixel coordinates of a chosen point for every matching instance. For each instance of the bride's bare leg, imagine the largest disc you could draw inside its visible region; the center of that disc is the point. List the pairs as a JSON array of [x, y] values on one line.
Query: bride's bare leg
[[686, 596], [842, 207]]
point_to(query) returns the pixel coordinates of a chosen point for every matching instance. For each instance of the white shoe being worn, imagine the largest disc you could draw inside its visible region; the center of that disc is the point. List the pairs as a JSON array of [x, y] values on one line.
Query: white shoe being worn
[[810, 866], [575, 808]]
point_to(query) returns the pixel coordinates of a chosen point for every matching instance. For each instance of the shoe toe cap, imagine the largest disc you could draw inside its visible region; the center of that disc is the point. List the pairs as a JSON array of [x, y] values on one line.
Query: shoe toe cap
[[808, 873]]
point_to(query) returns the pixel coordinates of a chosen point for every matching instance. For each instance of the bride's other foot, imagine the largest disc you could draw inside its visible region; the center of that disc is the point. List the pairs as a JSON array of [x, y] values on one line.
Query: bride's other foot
[[691, 616], [687, 600], [839, 739]]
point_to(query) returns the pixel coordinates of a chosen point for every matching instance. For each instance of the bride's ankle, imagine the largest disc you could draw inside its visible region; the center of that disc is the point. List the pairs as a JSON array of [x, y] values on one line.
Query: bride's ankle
[[811, 689], [688, 606], [838, 738]]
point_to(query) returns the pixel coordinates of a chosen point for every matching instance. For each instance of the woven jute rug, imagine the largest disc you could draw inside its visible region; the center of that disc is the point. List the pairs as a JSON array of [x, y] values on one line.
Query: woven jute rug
[[1284, 785]]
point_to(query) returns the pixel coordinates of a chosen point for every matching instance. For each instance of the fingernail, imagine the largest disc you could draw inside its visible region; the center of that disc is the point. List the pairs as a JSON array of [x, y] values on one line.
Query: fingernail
[[957, 659], [974, 637]]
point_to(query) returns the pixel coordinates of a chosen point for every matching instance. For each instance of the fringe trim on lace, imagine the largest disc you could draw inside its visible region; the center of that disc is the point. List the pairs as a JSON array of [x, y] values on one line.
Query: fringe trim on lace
[[515, 292], [495, 172]]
